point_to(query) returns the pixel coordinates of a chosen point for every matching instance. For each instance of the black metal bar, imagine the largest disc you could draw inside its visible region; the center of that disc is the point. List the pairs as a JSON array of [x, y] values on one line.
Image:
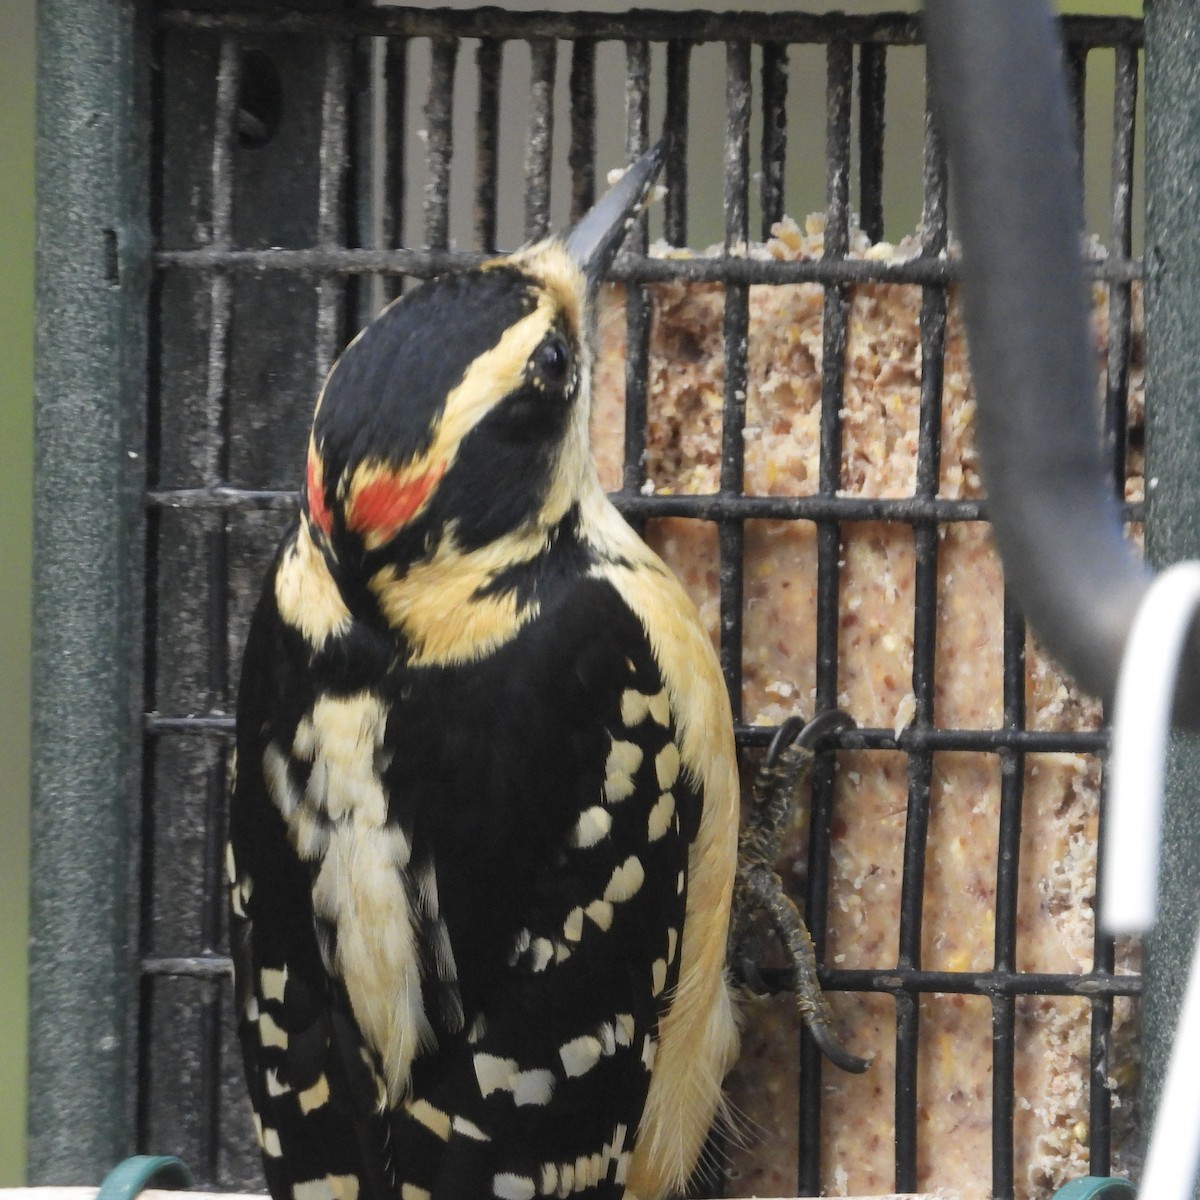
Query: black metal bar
[[439, 124], [637, 102], [872, 90], [543, 55], [582, 155], [896, 29], [675, 122], [774, 133], [637, 358], [395, 135], [996, 73], [1012, 784], [487, 141], [896, 983], [628, 268], [839, 85], [735, 332], [637, 300], [331, 212]]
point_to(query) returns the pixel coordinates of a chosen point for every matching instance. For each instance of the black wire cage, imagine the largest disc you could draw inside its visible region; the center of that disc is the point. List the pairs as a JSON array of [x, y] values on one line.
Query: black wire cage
[[278, 172]]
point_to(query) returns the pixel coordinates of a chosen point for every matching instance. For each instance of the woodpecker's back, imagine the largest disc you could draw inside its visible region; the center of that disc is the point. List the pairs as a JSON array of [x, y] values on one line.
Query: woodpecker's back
[[483, 828]]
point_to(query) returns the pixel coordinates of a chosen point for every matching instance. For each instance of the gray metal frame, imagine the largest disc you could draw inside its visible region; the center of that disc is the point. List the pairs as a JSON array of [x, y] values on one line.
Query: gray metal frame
[[93, 261]]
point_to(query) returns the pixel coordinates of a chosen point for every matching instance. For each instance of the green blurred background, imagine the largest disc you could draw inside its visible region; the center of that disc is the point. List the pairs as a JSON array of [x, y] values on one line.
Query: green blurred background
[[16, 390]]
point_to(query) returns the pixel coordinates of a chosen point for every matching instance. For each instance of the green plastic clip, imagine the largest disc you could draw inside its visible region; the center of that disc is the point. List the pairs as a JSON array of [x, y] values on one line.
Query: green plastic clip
[[129, 1178], [1092, 1187]]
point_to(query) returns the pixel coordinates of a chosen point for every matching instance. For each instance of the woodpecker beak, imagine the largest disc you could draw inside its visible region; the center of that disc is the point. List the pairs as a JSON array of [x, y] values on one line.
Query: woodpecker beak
[[593, 243]]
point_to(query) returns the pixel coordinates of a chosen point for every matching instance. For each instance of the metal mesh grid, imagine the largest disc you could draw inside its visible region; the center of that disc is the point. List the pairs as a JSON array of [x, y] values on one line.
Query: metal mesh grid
[[271, 242]]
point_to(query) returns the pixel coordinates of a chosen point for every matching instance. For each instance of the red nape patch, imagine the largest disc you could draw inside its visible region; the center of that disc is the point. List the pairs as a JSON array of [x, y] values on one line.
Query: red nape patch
[[315, 491], [383, 505]]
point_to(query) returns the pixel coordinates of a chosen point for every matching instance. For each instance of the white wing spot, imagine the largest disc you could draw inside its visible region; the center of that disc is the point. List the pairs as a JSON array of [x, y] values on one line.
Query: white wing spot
[[625, 1029], [626, 881], [532, 1087], [331, 1187], [601, 912], [274, 1087], [580, 1055], [672, 943], [623, 760], [635, 706], [230, 865], [592, 827], [648, 1048], [573, 926], [608, 1039], [622, 1171], [583, 1172], [270, 1143], [315, 1096], [660, 708], [679, 884], [410, 1191], [666, 765], [468, 1129], [561, 952], [660, 817], [436, 1121], [269, 1033], [542, 952], [271, 983], [566, 1179], [477, 1030], [658, 974], [494, 1074], [513, 1187], [549, 1181]]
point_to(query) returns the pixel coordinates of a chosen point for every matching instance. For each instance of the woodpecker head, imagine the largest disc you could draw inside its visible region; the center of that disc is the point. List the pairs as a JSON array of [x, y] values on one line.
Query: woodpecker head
[[461, 412]]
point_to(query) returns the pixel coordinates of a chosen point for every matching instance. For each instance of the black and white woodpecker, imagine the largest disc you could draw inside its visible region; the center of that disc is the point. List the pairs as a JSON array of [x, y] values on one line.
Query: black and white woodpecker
[[484, 822]]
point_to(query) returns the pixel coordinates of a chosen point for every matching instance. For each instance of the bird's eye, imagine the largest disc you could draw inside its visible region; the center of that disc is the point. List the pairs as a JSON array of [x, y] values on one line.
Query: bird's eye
[[552, 360]]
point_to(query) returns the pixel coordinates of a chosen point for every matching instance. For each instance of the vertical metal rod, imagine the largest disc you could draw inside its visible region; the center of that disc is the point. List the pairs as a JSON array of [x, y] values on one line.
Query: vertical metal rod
[[395, 174], [439, 124], [637, 98], [544, 58], [774, 133], [675, 173], [487, 141], [216, 468], [1012, 788], [362, 291], [582, 155], [736, 323], [331, 200], [637, 298], [872, 89], [838, 94]]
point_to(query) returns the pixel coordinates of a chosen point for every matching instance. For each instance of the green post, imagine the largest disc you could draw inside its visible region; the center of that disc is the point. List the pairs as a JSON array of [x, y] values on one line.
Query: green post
[[1172, 472], [93, 252]]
